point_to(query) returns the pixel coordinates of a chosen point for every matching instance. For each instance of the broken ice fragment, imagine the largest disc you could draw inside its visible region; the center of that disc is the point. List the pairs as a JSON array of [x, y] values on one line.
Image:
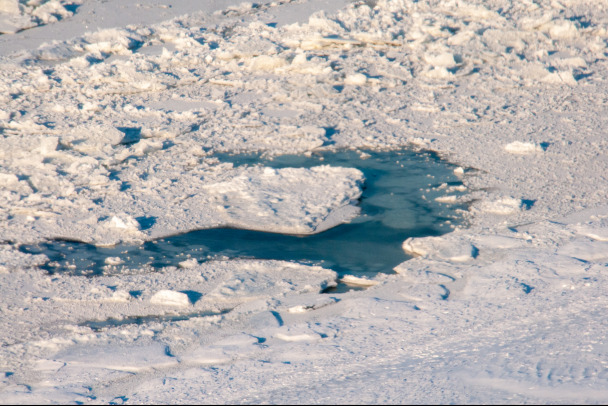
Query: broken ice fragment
[[522, 148], [170, 298]]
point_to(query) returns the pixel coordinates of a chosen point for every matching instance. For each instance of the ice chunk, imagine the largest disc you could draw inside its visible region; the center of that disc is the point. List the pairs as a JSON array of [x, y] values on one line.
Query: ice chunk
[[499, 242], [438, 72], [298, 309], [355, 79], [440, 248], [447, 199], [189, 263], [268, 62], [113, 261], [111, 41], [120, 296], [48, 145], [146, 146], [422, 276], [561, 29], [504, 206], [358, 281], [522, 148], [560, 77], [126, 223], [170, 298], [18, 15]]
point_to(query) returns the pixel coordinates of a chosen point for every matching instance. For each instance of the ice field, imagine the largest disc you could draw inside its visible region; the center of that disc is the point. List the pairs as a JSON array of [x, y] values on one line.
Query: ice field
[[129, 125]]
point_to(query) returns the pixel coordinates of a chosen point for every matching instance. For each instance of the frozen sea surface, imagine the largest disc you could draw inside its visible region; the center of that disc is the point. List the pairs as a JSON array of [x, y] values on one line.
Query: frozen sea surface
[[397, 203], [510, 309]]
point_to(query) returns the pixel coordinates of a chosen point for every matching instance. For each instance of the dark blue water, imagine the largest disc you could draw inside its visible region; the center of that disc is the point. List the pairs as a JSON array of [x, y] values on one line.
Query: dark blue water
[[392, 209]]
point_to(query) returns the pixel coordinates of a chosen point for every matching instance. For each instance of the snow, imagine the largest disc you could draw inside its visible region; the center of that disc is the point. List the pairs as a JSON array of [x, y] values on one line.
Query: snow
[[109, 120]]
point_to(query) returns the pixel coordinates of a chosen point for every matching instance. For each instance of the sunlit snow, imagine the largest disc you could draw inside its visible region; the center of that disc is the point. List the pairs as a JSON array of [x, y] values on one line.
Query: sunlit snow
[[115, 116]]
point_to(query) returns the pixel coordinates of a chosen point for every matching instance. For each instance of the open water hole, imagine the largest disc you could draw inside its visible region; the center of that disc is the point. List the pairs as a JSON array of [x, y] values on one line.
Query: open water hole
[[398, 202]]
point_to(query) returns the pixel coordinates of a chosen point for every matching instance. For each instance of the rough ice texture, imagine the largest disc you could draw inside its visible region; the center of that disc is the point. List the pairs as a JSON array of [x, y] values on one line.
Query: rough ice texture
[[109, 136], [18, 15], [297, 201]]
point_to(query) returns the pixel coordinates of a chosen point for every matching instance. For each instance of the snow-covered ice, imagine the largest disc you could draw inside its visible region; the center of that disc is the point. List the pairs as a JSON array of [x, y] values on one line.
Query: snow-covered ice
[[109, 123]]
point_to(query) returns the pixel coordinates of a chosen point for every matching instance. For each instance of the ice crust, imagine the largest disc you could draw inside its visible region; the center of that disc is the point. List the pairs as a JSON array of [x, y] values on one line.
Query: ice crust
[[109, 136]]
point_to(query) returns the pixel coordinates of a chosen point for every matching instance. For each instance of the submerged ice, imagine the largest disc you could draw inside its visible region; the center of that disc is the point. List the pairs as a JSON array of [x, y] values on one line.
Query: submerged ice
[[398, 202]]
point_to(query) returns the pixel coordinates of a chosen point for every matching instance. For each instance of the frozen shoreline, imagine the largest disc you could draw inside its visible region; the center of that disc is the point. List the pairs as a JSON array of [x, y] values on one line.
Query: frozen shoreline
[[507, 310]]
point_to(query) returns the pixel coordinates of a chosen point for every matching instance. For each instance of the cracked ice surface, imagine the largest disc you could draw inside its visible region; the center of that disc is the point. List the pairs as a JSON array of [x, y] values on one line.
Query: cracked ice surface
[[106, 126]]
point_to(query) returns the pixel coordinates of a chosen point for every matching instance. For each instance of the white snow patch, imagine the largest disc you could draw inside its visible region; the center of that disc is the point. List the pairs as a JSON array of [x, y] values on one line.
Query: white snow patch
[[357, 79]]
